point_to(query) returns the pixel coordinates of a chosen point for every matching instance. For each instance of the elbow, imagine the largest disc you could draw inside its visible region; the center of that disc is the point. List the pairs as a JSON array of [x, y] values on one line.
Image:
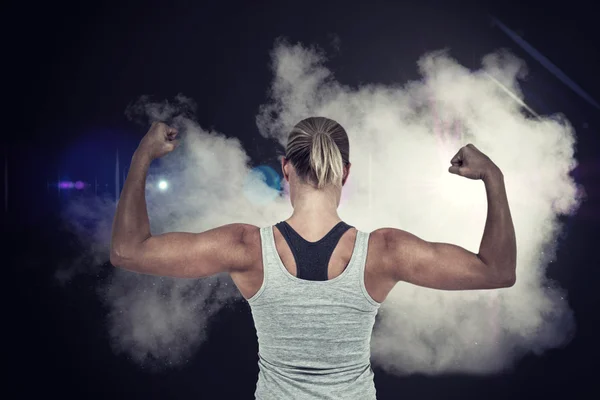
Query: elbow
[[503, 278], [127, 257], [114, 259], [120, 257], [509, 281]]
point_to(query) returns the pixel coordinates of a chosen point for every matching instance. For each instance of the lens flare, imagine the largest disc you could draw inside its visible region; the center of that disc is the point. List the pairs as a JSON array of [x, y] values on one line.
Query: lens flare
[[66, 185]]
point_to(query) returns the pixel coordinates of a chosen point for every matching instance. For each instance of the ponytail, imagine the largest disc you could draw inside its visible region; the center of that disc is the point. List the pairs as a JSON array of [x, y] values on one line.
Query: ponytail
[[318, 148], [326, 160]]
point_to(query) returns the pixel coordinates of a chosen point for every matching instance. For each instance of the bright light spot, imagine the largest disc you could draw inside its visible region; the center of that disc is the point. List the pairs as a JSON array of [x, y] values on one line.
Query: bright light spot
[[162, 185]]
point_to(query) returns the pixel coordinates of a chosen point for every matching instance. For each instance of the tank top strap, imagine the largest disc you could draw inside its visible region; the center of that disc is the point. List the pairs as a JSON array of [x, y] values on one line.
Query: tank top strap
[[274, 272], [359, 263], [269, 249], [358, 255]]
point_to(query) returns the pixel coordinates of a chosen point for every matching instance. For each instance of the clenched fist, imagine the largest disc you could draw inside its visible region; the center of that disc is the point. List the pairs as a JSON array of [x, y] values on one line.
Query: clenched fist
[[159, 140], [472, 163]]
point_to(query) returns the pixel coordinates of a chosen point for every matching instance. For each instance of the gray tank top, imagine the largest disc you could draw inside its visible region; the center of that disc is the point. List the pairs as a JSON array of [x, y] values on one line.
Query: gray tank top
[[314, 336]]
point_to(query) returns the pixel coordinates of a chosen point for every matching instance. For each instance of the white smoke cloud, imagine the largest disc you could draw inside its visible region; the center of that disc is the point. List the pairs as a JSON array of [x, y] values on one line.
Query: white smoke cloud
[[402, 138]]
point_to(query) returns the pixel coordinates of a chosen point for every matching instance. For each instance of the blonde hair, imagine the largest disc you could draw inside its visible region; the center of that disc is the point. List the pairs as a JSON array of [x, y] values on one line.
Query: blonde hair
[[318, 148]]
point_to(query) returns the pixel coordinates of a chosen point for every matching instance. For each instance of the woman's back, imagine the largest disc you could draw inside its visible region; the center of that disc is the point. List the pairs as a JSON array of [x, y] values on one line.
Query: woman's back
[[314, 333]]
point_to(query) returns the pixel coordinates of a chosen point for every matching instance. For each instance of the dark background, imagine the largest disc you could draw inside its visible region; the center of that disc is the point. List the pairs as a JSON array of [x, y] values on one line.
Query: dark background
[[72, 69]]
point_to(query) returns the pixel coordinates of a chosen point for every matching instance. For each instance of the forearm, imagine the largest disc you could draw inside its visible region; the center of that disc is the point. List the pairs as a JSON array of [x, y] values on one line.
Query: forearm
[[131, 225], [498, 247]]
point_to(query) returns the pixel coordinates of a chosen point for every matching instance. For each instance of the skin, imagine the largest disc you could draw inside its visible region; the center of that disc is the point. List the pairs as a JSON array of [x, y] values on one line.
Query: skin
[[235, 248], [315, 211], [174, 254]]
